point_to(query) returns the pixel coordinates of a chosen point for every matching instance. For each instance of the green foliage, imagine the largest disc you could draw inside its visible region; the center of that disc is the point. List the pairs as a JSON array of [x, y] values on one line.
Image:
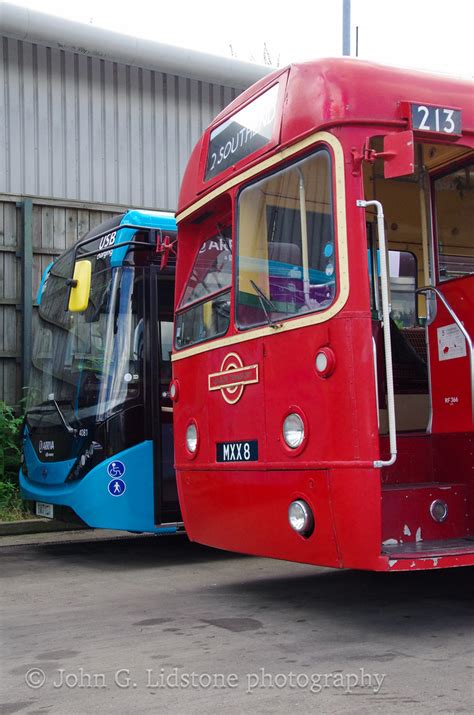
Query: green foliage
[[10, 451], [11, 505]]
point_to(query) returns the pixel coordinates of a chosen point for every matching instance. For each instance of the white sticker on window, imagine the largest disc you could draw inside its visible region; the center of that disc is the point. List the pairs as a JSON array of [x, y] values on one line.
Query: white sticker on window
[[451, 342]]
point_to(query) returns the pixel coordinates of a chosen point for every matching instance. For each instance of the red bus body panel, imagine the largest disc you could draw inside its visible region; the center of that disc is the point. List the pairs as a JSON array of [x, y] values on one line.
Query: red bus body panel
[[242, 506]]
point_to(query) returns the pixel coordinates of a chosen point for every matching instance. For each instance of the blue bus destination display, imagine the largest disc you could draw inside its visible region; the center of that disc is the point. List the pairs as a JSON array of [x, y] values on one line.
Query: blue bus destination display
[[241, 135]]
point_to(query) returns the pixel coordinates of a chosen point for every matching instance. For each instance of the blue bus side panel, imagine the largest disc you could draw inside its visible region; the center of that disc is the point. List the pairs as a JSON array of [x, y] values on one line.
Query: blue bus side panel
[[93, 499]]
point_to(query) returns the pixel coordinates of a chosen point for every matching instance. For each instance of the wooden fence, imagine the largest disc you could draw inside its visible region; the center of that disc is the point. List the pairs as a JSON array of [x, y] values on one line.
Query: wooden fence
[[32, 233]]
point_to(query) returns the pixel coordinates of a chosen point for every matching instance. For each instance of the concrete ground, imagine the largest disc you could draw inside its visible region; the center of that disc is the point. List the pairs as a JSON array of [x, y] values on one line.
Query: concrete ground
[[95, 622]]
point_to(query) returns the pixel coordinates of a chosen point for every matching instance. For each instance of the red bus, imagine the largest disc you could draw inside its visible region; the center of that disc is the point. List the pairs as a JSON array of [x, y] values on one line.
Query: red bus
[[323, 356]]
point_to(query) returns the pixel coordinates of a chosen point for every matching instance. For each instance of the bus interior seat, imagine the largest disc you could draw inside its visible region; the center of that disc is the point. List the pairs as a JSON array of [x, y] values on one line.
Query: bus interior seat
[[284, 253]]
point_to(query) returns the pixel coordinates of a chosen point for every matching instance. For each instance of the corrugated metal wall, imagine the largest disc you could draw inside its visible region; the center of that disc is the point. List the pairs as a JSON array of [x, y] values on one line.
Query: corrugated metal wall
[[76, 128], [81, 128], [55, 228]]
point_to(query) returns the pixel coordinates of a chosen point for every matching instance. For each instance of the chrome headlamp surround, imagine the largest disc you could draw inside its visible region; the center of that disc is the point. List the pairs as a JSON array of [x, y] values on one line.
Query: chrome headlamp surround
[[301, 517], [293, 430], [191, 439]]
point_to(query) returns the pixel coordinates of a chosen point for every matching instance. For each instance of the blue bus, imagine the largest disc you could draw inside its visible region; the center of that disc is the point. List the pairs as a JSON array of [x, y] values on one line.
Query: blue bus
[[98, 431]]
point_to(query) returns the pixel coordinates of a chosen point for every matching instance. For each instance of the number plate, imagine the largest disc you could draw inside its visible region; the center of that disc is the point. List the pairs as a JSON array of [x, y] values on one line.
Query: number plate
[[43, 509], [237, 451], [443, 120]]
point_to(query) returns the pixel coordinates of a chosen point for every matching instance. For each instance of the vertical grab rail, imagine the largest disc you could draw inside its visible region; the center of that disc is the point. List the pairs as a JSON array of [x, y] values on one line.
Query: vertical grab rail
[[392, 427], [304, 238], [437, 292]]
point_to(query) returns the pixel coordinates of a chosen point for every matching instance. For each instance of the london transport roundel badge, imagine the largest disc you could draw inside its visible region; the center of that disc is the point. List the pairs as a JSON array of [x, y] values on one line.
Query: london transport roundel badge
[[232, 378]]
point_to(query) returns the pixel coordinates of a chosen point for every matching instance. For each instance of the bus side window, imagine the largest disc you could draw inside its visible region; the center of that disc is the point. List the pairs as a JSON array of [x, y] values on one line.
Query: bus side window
[[204, 311], [453, 195], [286, 246], [403, 272]]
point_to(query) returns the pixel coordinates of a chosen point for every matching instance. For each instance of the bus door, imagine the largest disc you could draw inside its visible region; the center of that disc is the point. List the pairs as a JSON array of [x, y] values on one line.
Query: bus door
[[425, 491], [451, 300], [409, 350], [160, 408], [428, 215]]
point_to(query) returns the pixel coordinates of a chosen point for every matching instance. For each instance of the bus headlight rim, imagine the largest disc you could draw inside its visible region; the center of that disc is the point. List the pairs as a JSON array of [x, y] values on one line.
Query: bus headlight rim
[[293, 430], [301, 518], [192, 438]]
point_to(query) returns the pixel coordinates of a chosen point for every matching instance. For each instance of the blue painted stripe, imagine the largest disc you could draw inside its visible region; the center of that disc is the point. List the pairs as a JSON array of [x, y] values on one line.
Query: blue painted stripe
[[43, 281]]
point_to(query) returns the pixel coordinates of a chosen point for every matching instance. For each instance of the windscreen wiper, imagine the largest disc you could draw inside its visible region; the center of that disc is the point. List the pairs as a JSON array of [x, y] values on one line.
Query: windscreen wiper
[[265, 301], [67, 426]]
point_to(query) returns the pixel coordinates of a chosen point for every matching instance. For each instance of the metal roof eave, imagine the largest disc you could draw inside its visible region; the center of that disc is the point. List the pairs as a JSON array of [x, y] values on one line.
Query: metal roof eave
[[30, 25]]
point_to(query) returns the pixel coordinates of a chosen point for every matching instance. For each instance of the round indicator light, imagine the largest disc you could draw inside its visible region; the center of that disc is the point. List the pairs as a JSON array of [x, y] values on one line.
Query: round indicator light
[[325, 362]]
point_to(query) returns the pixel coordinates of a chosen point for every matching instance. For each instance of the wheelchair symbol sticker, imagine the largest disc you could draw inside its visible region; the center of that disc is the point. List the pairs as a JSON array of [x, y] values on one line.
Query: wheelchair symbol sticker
[[116, 469], [117, 487]]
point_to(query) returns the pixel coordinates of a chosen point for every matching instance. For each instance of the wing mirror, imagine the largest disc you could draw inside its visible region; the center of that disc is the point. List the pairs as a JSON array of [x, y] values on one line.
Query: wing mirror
[[80, 287]]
